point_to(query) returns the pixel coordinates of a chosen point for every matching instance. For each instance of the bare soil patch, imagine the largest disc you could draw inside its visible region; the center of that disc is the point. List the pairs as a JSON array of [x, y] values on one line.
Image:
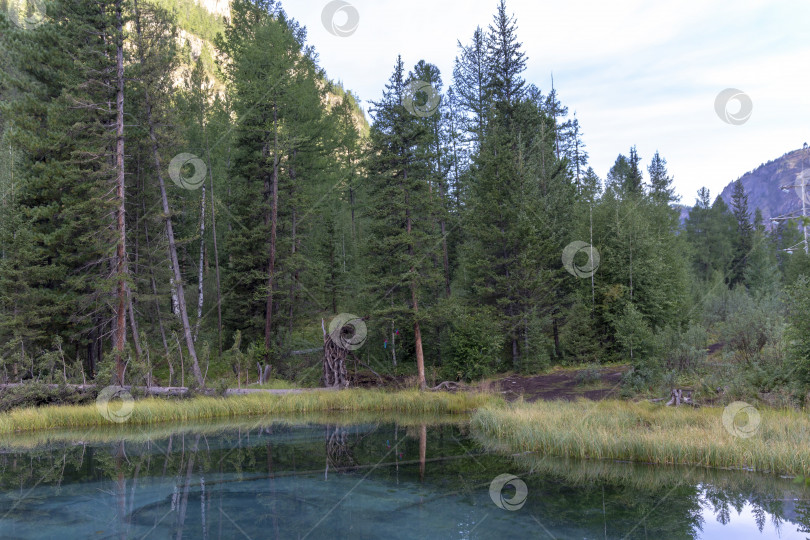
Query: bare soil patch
[[562, 385]]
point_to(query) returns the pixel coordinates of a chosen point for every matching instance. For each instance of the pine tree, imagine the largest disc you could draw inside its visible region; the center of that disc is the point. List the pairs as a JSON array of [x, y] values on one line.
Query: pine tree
[[404, 237], [154, 80], [263, 49], [642, 263], [506, 61], [55, 274], [617, 176], [743, 240], [634, 182], [697, 235], [721, 227], [471, 78], [517, 211], [573, 148], [661, 188], [556, 110], [762, 273]]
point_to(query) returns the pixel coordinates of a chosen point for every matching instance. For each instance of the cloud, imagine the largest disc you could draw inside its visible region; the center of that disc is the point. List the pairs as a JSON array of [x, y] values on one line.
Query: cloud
[[635, 72]]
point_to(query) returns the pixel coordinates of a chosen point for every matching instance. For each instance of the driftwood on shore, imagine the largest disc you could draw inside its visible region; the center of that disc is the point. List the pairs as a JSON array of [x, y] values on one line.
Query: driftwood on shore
[[677, 397], [450, 386]]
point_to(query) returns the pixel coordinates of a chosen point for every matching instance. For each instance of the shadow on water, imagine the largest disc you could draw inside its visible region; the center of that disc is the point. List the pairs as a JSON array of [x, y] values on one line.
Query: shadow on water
[[370, 476]]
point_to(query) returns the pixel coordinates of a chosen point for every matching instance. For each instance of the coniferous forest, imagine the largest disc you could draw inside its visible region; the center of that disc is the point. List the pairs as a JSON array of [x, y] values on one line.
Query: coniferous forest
[[160, 227]]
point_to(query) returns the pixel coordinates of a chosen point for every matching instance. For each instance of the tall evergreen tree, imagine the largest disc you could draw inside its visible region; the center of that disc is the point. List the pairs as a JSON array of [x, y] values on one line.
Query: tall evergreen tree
[[634, 181], [697, 235], [402, 206], [661, 188], [744, 238], [762, 273], [506, 61], [471, 76], [56, 272]]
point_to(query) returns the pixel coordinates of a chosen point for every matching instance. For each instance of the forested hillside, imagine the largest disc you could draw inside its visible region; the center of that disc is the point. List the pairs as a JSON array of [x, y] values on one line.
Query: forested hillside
[[172, 232]]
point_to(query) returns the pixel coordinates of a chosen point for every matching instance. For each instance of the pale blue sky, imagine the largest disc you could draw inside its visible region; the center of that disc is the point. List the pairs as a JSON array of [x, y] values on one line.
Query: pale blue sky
[[636, 72]]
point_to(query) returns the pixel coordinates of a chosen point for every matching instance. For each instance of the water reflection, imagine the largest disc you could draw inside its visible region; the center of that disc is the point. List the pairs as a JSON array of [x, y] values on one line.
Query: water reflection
[[415, 478]]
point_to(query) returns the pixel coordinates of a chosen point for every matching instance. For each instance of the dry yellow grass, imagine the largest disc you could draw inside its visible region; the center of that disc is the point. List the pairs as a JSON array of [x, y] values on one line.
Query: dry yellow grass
[[153, 411], [644, 432]]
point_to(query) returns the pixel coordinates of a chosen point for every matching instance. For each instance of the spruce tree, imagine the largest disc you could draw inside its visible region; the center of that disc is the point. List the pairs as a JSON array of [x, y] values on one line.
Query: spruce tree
[[744, 237], [697, 235], [762, 273], [55, 275], [471, 78], [634, 182], [661, 188], [506, 62], [402, 205]]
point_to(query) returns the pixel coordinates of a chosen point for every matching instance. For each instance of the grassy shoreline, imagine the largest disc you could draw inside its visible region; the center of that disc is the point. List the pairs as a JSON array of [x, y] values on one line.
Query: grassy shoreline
[[154, 411], [647, 433], [604, 430], [27, 440]]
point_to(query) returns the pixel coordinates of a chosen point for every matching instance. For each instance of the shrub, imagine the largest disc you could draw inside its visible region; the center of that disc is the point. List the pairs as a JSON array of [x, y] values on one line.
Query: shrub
[[475, 346], [750, 325], [34, 394], [682, 350], [798, 333], [579, 339], [588, 375]]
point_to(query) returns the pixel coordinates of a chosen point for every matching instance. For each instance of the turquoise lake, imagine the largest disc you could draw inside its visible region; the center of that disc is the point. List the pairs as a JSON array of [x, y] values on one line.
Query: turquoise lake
[[370, 479]]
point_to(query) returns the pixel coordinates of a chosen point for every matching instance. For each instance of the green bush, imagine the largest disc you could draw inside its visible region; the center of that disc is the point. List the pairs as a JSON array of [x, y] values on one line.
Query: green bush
[[750, 325], [34, 394], [589, 375], [475, 346], [798, 332], [579, 339], [682, 350]]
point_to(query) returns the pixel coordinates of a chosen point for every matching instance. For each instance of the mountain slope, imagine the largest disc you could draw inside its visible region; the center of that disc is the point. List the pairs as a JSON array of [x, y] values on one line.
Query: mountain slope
[[763, 185], [199, 21]]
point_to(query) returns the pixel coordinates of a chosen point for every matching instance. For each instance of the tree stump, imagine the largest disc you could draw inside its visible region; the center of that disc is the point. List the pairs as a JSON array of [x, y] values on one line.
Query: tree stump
[[334, 360], [678, 396], [264, 374]]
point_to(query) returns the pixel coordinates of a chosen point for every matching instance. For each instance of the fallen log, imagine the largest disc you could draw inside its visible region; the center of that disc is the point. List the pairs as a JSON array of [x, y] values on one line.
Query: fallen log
[[178, 390], [450, 386]]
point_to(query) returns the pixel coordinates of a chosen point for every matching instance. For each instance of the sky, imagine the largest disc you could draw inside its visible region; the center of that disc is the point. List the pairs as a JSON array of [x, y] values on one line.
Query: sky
[[643, 73]]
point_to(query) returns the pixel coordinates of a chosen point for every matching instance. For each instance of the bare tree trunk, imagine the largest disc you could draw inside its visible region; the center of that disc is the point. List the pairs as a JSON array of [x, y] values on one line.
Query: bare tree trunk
[[157, 305], [393, 340], [445, 260], [175, 298], [417, 332], [121, 248], [200, 292], [120, 489], [442, 222], [294, 248], [136, 337], [214, 234], [178, 279], [271, 264], [334, 360], [183, 506], [294, 280]]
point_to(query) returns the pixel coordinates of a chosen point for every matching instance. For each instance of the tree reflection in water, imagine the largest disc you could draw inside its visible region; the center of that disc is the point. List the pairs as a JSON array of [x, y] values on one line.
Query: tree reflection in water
[[346, 480]]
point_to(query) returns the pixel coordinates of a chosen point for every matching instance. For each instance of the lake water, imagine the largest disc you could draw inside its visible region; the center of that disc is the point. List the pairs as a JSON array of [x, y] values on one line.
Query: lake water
[[364, 478]]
